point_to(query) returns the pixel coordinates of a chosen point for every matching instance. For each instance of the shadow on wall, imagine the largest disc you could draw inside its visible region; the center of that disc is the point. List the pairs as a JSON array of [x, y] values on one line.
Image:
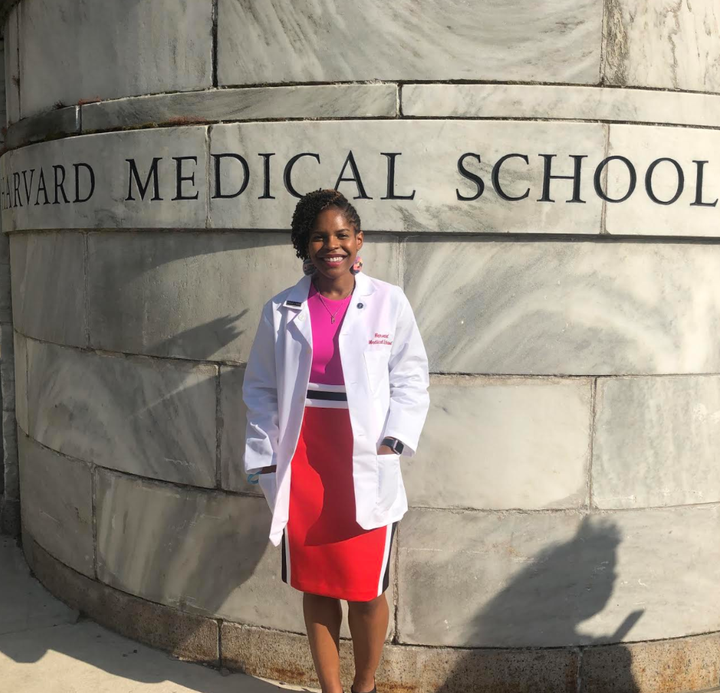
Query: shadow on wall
[[219, 332], [547, 601], [158, 283], [189, 550]]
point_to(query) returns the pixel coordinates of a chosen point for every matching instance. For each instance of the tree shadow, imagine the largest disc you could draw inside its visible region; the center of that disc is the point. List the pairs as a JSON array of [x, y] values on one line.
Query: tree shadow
[[545, 603], [210, 337], [178, 545]]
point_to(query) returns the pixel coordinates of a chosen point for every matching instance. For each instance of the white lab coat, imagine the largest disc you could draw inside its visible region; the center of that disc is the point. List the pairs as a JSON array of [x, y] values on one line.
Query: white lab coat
[[386, 379]]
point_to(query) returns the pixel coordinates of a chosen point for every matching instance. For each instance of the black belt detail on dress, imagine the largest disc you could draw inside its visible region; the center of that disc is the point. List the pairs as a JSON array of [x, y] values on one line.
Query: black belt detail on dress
[[332, 396]]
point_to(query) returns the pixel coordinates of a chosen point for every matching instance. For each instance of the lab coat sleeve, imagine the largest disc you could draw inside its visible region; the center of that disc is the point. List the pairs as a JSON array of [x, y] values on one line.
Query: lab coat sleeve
[[409, 381], [260, 397]]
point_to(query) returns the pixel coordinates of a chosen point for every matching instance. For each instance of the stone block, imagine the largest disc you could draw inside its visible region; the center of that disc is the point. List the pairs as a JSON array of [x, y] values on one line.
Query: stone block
[[12, 67], [21, 410], [663, 160], [232, 444], [286, 656], [71, 51], [173, 538], [7, 378], [656, 441], [429, 154], [5, 283], [570, 308], [559, 103], [151, 417], [9, 467], [556, 579], [59, 122], [516, 41], [665, 44], [183, 635], [57, 504], [7, 367], [684, 664], [225, 279], [148, 178], [503, 443], [296, 102], [48, 286], [3, 87]]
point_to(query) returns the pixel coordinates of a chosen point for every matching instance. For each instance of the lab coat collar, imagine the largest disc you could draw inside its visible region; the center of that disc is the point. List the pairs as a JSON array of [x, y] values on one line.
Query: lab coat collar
[[299, 293]]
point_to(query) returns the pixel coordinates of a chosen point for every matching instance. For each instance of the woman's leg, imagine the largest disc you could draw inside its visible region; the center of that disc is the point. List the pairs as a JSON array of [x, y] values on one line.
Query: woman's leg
[[323, 617], [368, 626]]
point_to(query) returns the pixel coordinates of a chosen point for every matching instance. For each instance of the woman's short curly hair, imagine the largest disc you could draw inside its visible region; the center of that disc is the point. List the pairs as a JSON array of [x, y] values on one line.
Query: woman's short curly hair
[[307, 210]]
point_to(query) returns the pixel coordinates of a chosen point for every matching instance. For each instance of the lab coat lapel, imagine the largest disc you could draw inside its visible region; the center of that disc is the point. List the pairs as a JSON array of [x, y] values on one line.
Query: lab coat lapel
[[298, 314]]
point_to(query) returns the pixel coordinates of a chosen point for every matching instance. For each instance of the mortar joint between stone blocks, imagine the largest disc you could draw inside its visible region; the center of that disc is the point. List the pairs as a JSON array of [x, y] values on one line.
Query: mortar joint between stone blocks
[[86, 292], [93, 493], [396, 588], [208, 132], [214, 31], [603, 42], [106, 353], [591, 451], [219, 427]]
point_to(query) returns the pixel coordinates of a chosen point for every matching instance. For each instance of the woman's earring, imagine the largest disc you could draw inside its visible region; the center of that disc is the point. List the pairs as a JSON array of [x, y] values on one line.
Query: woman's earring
[[308, 267], [357, 267]]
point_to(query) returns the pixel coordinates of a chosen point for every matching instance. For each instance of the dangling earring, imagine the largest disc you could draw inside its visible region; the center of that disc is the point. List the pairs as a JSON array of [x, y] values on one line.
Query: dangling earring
[[308, 267], [357, 267]]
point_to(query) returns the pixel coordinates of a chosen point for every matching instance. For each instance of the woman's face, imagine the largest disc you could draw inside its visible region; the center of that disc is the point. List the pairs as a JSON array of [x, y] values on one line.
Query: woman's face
[[333, 243]]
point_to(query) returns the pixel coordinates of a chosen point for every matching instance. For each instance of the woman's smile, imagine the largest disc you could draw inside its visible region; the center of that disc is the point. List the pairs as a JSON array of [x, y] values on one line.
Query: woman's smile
[[333, 260]]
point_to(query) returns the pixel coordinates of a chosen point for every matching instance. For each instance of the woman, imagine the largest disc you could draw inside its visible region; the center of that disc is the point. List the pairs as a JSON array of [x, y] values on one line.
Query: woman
[[336, 391]]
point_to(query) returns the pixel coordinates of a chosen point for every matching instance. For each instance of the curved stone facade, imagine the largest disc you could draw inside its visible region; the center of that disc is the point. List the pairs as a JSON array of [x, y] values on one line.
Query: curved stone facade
[[538, 177]]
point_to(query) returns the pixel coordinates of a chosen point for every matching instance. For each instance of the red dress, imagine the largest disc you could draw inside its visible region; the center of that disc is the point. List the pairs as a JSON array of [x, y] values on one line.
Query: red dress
[[325, 551]]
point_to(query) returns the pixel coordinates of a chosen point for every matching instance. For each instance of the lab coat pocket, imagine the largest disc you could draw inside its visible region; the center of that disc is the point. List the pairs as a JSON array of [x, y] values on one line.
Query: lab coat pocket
[[268, 484], [388, 481], [376, 365]]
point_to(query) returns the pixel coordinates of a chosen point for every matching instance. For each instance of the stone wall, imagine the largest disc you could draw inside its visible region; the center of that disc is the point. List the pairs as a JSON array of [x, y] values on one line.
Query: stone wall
[[9, 481], [565, 498]]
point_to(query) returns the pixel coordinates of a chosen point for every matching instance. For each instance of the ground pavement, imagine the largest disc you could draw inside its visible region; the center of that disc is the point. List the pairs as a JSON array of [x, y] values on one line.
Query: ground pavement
[[46, 648]]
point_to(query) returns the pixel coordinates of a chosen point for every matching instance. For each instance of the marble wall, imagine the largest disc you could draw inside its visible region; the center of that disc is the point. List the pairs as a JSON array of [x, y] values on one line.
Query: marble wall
[[555, 234], [9, 471], [168, 46]]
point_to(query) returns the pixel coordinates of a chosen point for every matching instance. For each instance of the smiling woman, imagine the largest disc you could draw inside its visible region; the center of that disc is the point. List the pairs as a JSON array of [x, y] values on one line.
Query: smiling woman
[[331, 408]]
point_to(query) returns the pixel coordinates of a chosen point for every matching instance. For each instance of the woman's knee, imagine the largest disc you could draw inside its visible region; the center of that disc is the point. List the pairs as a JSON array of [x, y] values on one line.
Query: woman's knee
[[367, 608]]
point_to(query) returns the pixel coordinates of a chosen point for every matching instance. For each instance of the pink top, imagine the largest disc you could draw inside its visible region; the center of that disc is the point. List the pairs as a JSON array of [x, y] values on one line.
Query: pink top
[[326, 367]]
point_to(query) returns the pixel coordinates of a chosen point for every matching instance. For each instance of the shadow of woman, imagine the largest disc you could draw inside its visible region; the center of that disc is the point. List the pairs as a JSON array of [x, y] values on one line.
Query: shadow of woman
[[543, 606]]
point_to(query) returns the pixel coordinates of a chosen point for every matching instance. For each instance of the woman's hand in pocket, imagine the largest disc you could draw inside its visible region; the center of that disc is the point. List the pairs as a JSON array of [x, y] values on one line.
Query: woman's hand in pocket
[[385, 450]]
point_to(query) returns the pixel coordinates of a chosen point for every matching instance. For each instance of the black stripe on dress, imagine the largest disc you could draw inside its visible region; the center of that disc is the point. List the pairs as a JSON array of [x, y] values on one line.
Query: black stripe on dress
[[322, 394], [284, 560], [386, 579]]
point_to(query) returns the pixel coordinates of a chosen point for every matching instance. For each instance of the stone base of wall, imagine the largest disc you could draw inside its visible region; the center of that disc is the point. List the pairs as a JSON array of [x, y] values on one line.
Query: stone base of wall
[[680, 665], [10, 517], [184, 635]]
